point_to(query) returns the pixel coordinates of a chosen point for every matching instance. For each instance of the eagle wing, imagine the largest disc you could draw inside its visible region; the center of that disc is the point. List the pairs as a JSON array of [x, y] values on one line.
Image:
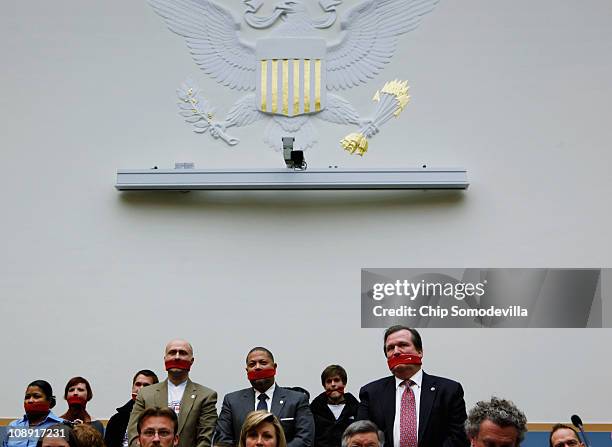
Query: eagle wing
[[211, 33], [369, 37]]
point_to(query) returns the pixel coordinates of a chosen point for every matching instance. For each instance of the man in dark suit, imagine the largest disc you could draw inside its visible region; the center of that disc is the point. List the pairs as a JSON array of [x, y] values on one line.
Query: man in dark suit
[[116, 434], [290, 407], [194, 404], [411, 407]]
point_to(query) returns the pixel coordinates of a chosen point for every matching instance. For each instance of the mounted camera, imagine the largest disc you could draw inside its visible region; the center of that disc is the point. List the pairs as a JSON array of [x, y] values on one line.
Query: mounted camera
[[293, 159]]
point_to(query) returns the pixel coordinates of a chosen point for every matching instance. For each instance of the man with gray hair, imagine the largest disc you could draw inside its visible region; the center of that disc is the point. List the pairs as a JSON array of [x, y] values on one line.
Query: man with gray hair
[[363, 434], [495, 423]]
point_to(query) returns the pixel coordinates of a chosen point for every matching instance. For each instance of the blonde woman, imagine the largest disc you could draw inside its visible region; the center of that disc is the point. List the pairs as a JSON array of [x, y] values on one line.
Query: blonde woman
[[262, 429]]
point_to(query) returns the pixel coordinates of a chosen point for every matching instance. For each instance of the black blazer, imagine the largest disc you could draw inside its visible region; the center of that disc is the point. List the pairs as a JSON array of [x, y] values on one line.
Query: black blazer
[[117, 425], [328, 429], [441, 413]]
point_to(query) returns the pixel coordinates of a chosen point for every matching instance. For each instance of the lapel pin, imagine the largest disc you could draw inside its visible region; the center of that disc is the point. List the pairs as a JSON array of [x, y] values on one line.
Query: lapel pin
[[193, 395], [281, 402], [433, 388]]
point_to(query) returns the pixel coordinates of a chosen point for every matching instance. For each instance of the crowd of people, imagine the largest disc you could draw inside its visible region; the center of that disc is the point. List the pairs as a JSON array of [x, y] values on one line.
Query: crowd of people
[[409, 408]]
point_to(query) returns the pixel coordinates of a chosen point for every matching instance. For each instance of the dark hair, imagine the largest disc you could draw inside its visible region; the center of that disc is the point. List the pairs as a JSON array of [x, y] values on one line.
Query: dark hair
[[164, 412], [146, 373], [65, 430], [331, 371], [45, 387], [561, 427], [262, 349], [87, 436], [77, 412], [76, 380], [363, 426], [416, 337]]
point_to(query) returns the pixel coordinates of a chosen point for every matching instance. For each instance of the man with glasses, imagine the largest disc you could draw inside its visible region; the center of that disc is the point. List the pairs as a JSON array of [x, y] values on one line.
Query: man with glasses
[[563, 435], [158, 427], [363, 434]]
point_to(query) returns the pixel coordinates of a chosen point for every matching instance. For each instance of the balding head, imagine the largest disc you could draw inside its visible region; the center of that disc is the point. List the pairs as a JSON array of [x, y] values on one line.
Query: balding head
[[178, 359], [179, 343]]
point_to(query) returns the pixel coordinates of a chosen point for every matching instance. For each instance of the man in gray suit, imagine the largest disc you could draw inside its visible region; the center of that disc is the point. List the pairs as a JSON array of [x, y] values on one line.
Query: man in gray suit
[[194, 404], [290, 407]]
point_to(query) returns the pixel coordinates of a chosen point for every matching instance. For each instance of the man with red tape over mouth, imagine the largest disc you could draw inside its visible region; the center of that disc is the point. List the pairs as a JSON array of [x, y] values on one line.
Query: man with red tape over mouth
[[289, 406], [413, 408], [194, 404], [333, 410], [116, 434]]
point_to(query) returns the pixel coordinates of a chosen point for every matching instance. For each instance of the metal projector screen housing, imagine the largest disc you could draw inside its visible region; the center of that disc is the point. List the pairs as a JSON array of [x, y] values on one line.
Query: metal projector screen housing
[[265, 179]]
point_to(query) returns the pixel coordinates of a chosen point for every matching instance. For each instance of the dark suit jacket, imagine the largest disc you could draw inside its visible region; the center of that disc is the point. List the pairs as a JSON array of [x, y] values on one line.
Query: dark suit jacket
[[328, 429], [197, 416], [117, 425], [441, 412], [290, 407]]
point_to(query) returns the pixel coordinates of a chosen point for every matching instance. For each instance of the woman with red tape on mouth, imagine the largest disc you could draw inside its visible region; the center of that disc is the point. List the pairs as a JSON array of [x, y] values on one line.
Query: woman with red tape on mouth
[[37, 403], [77, 393]]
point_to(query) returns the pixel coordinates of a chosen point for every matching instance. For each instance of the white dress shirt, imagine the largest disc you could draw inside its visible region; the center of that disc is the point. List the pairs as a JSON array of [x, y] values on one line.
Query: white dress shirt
[[399, 390], [175, 395], [269, 392]]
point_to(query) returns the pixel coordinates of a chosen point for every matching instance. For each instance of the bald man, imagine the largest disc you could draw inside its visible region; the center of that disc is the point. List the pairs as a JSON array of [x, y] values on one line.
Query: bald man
[[194, 404]]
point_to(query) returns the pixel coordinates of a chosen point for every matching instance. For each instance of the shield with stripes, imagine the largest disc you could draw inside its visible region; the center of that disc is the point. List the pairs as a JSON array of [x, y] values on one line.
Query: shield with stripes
[[291, 75]]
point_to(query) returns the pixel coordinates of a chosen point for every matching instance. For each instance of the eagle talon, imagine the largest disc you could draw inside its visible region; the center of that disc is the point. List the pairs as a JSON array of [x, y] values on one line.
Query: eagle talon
[[217, 129]]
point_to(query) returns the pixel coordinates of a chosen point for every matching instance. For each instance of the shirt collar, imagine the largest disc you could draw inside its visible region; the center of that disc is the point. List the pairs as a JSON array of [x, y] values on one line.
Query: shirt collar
[[417, 378], [50, 417], [180, 385], [269, 392]]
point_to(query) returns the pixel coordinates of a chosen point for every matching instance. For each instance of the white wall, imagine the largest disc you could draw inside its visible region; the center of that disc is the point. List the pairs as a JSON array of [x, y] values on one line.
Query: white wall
[[94, 282]]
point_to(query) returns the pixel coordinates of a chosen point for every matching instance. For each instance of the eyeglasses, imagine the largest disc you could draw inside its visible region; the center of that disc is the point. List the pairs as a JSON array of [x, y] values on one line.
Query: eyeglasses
[[568, 443], [150, 433]]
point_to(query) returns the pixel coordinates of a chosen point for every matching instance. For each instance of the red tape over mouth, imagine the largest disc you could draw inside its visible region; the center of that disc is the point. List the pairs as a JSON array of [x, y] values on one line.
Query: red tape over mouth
[[404, 359], [180, 364], [36, 407], [340, 389], [76, 400], [261, 374]]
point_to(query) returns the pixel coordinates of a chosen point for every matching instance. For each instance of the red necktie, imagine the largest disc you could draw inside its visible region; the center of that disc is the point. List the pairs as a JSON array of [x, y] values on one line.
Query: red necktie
[[408, 417]]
